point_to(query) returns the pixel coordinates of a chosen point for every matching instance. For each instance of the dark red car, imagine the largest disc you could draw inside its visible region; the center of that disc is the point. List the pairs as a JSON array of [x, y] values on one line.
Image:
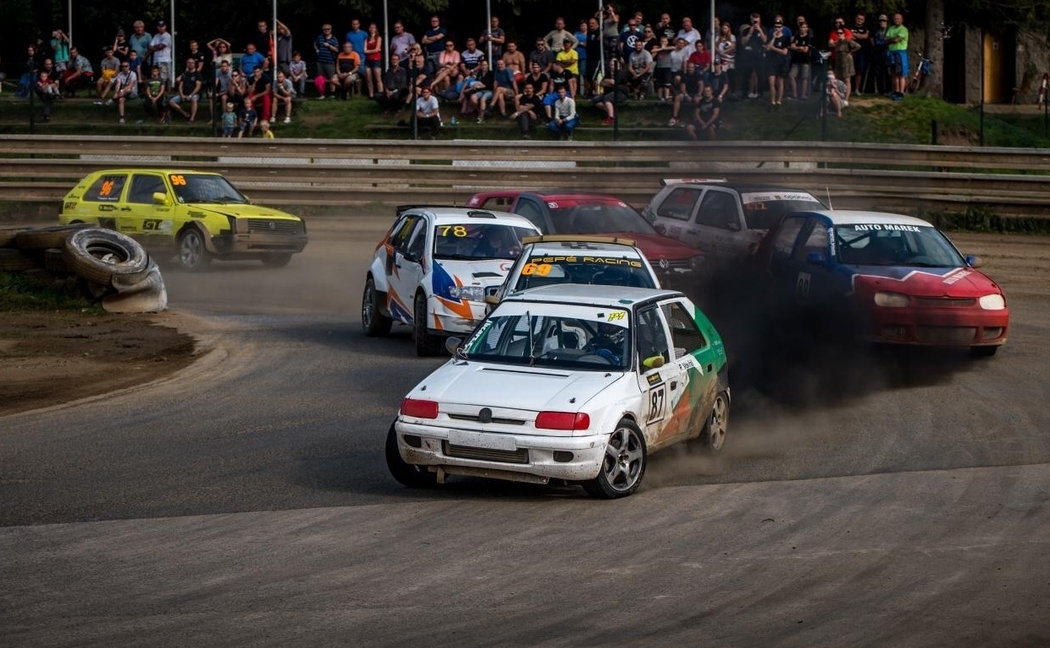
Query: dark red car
[[599, 214]]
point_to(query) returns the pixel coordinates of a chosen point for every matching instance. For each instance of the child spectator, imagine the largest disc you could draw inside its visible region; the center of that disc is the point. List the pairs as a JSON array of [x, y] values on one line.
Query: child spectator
[[229, 121], [297, 73], [154, 102], [47, 89], [264, 126], [249, 118]]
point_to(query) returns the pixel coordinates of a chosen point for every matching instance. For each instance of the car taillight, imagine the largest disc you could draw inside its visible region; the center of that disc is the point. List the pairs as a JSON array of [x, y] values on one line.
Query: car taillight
[[563, 421], [417, 408]]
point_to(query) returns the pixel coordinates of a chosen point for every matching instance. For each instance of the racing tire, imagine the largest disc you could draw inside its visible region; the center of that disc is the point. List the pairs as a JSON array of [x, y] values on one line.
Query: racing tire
[[43, 238], [7, 237], [983, 351], [277, 260], [623, 465], [99, 255], [405, 473], [192, 252], [12, 260], [374, 323], [426, 344], [714, 435]]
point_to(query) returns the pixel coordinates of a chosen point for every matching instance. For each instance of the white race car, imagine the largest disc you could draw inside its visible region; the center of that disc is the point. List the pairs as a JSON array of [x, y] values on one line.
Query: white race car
[[567, 383], [434, 268]]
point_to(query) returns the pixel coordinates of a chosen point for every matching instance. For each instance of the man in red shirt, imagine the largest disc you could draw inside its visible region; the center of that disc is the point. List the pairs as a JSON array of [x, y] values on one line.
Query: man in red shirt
[[700, 57]]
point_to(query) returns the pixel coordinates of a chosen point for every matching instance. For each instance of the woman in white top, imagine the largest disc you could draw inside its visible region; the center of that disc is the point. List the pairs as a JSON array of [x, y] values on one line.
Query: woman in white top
[[221, 51], [725, 51]]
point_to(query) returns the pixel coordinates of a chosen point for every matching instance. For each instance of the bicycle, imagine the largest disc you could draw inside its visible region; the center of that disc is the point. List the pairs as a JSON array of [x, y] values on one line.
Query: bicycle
[[918, 78]]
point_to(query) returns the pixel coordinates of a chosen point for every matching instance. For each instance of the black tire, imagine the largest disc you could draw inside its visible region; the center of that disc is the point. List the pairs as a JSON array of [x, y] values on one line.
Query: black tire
[[406, 474], [99, 255], [714, 435], [374, 323], [12, 260], [277, 260], [623, 466], [192, 253], [984, 351], [43, 238], [54, 262], [426, 344]]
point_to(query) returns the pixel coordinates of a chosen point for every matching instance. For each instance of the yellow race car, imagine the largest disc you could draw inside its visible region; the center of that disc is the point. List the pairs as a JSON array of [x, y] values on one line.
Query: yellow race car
[[196, 215]]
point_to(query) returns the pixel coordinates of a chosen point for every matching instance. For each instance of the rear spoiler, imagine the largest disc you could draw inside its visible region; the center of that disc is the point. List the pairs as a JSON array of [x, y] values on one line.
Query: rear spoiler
[[670, 181], [577, 238]]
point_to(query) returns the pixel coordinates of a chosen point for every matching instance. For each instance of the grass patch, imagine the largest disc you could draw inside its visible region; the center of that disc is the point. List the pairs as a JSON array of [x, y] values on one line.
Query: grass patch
[[42, 292]]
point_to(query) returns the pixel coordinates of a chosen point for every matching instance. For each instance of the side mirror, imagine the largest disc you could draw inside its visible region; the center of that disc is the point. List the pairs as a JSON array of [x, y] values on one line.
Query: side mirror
[[160, 198], [974, 261], [452, 344], [815, 258], [492, 300], [733, 225], [653, 362]]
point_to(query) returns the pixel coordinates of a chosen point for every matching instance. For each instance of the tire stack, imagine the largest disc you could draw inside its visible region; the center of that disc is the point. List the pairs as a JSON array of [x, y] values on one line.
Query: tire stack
[[113, 267]]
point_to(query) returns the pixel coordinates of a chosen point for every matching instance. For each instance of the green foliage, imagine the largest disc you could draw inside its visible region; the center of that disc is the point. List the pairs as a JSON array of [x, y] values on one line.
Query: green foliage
[[20, 292]]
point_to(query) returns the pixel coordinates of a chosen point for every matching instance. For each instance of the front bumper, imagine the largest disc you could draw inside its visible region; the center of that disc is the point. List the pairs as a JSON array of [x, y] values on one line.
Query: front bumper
[[947, 327], [258, 243], [514, 457]]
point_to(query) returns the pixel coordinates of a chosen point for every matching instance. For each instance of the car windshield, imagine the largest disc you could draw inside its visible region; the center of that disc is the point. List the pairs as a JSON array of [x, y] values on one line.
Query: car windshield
[[594, 268], [762, 211], [895, 245], [599, 219], [202, 188], [475, 241], [586, 338]]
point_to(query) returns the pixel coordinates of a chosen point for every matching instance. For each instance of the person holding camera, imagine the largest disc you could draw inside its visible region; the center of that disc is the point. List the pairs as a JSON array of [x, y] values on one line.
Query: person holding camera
[[60, 50], [752, 40], [610, 21], [778, 62], [835, 93]]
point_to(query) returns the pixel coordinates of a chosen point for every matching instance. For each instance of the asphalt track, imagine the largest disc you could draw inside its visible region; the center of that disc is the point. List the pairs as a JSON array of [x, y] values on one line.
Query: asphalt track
[[876, 499]]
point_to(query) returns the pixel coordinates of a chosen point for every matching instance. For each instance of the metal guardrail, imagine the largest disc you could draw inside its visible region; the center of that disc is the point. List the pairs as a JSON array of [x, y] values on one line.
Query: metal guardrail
[[336, 172]]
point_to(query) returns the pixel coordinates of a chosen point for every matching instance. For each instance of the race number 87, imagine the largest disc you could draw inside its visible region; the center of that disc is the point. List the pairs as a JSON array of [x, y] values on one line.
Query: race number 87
[[657, 396]]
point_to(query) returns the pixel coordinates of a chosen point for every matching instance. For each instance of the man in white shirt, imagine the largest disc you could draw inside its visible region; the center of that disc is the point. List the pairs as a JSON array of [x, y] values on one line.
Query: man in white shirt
[[564, 119], [688, 33], [428, 113], [160, 47]]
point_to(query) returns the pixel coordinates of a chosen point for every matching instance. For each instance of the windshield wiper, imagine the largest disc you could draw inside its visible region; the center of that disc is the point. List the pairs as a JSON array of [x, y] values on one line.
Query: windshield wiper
[[532, 342]]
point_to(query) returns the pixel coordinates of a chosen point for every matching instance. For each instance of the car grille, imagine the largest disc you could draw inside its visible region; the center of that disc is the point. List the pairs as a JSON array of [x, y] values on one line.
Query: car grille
[[947, 334], [946, 302], [520, 456], [681, 265], [274, 226], [477, 419]]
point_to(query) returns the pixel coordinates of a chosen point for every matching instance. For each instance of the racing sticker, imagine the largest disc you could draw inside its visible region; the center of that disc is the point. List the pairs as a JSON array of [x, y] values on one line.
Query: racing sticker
[[749, 198], [654, 379], [886, 227], [657, 404]]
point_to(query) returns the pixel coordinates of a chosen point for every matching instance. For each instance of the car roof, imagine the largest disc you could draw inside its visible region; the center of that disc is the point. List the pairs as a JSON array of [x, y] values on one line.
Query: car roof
[[742, 187], [583, 247], [590, 295], [853, 217], [584, 198], [166, 171], [456, 215]]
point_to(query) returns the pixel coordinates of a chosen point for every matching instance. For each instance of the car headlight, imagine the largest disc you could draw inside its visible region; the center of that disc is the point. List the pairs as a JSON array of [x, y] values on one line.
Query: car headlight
[[992, 302], [891, 299], [469, 293]]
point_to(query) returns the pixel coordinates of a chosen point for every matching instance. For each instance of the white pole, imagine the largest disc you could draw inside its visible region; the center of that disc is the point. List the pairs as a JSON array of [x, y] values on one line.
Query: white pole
[[171, 30], [601, 39], [714, 36], [386, 38], [488, 27], [69, 31]]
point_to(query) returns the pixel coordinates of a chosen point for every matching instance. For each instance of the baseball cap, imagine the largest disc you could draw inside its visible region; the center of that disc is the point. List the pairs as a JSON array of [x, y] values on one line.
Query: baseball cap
[[161, 23], [883, 17]]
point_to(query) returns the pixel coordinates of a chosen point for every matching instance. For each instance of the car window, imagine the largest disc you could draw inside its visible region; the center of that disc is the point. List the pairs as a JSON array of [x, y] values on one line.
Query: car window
[[542, 269], [652, 340], [143, 186], [763, 210], [599, 218], [784, 242], [488, 240], [685, 335], [399, 237], [531, 211], [107, 188], [897, 245], [718, 209], [679, 203], [417, 240], [204, 188], [816, 241]]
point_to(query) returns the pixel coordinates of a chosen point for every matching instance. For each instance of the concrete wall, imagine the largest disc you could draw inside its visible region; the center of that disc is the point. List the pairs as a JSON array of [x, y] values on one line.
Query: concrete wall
[[1033, 54]]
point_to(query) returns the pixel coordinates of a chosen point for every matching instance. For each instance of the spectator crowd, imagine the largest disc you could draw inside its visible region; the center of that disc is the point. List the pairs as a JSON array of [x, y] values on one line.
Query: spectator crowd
[[607, 61]]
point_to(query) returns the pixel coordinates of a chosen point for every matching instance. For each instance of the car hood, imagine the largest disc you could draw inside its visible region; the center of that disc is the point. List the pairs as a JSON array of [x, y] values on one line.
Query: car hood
[[515, 387], [656, 247], [450, 273], [238, 210], [926, 282]]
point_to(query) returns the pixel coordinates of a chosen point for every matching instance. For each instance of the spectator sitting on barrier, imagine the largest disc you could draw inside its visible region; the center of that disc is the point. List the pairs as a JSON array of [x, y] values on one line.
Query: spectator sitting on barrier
[[78, 73], [448, 73], [690, 90], [537, 79], [249, 119], [52, 73], [527, 111], [705, 117], [395, 86], [515, 61], [155, 100], [428, 113], [639, 69], [260, 92], [481, 91], [701, 57], [560, 78], [835, 93], [125, 86], [347, 72], [284, 94], [47, 90], [188, 90], [470, 57], [421, 71], [613, 91], [108, 68], [565, 120], [505, 87], [229, 120]]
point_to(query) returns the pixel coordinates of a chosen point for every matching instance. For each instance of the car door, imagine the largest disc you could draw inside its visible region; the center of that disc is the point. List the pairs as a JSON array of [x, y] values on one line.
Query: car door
[[815, 282], [103, 199], [405, 266], [660, 378], [532, 209], [717, 225], [674, 215], [783, 274], [699, 362], [141, 215]]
